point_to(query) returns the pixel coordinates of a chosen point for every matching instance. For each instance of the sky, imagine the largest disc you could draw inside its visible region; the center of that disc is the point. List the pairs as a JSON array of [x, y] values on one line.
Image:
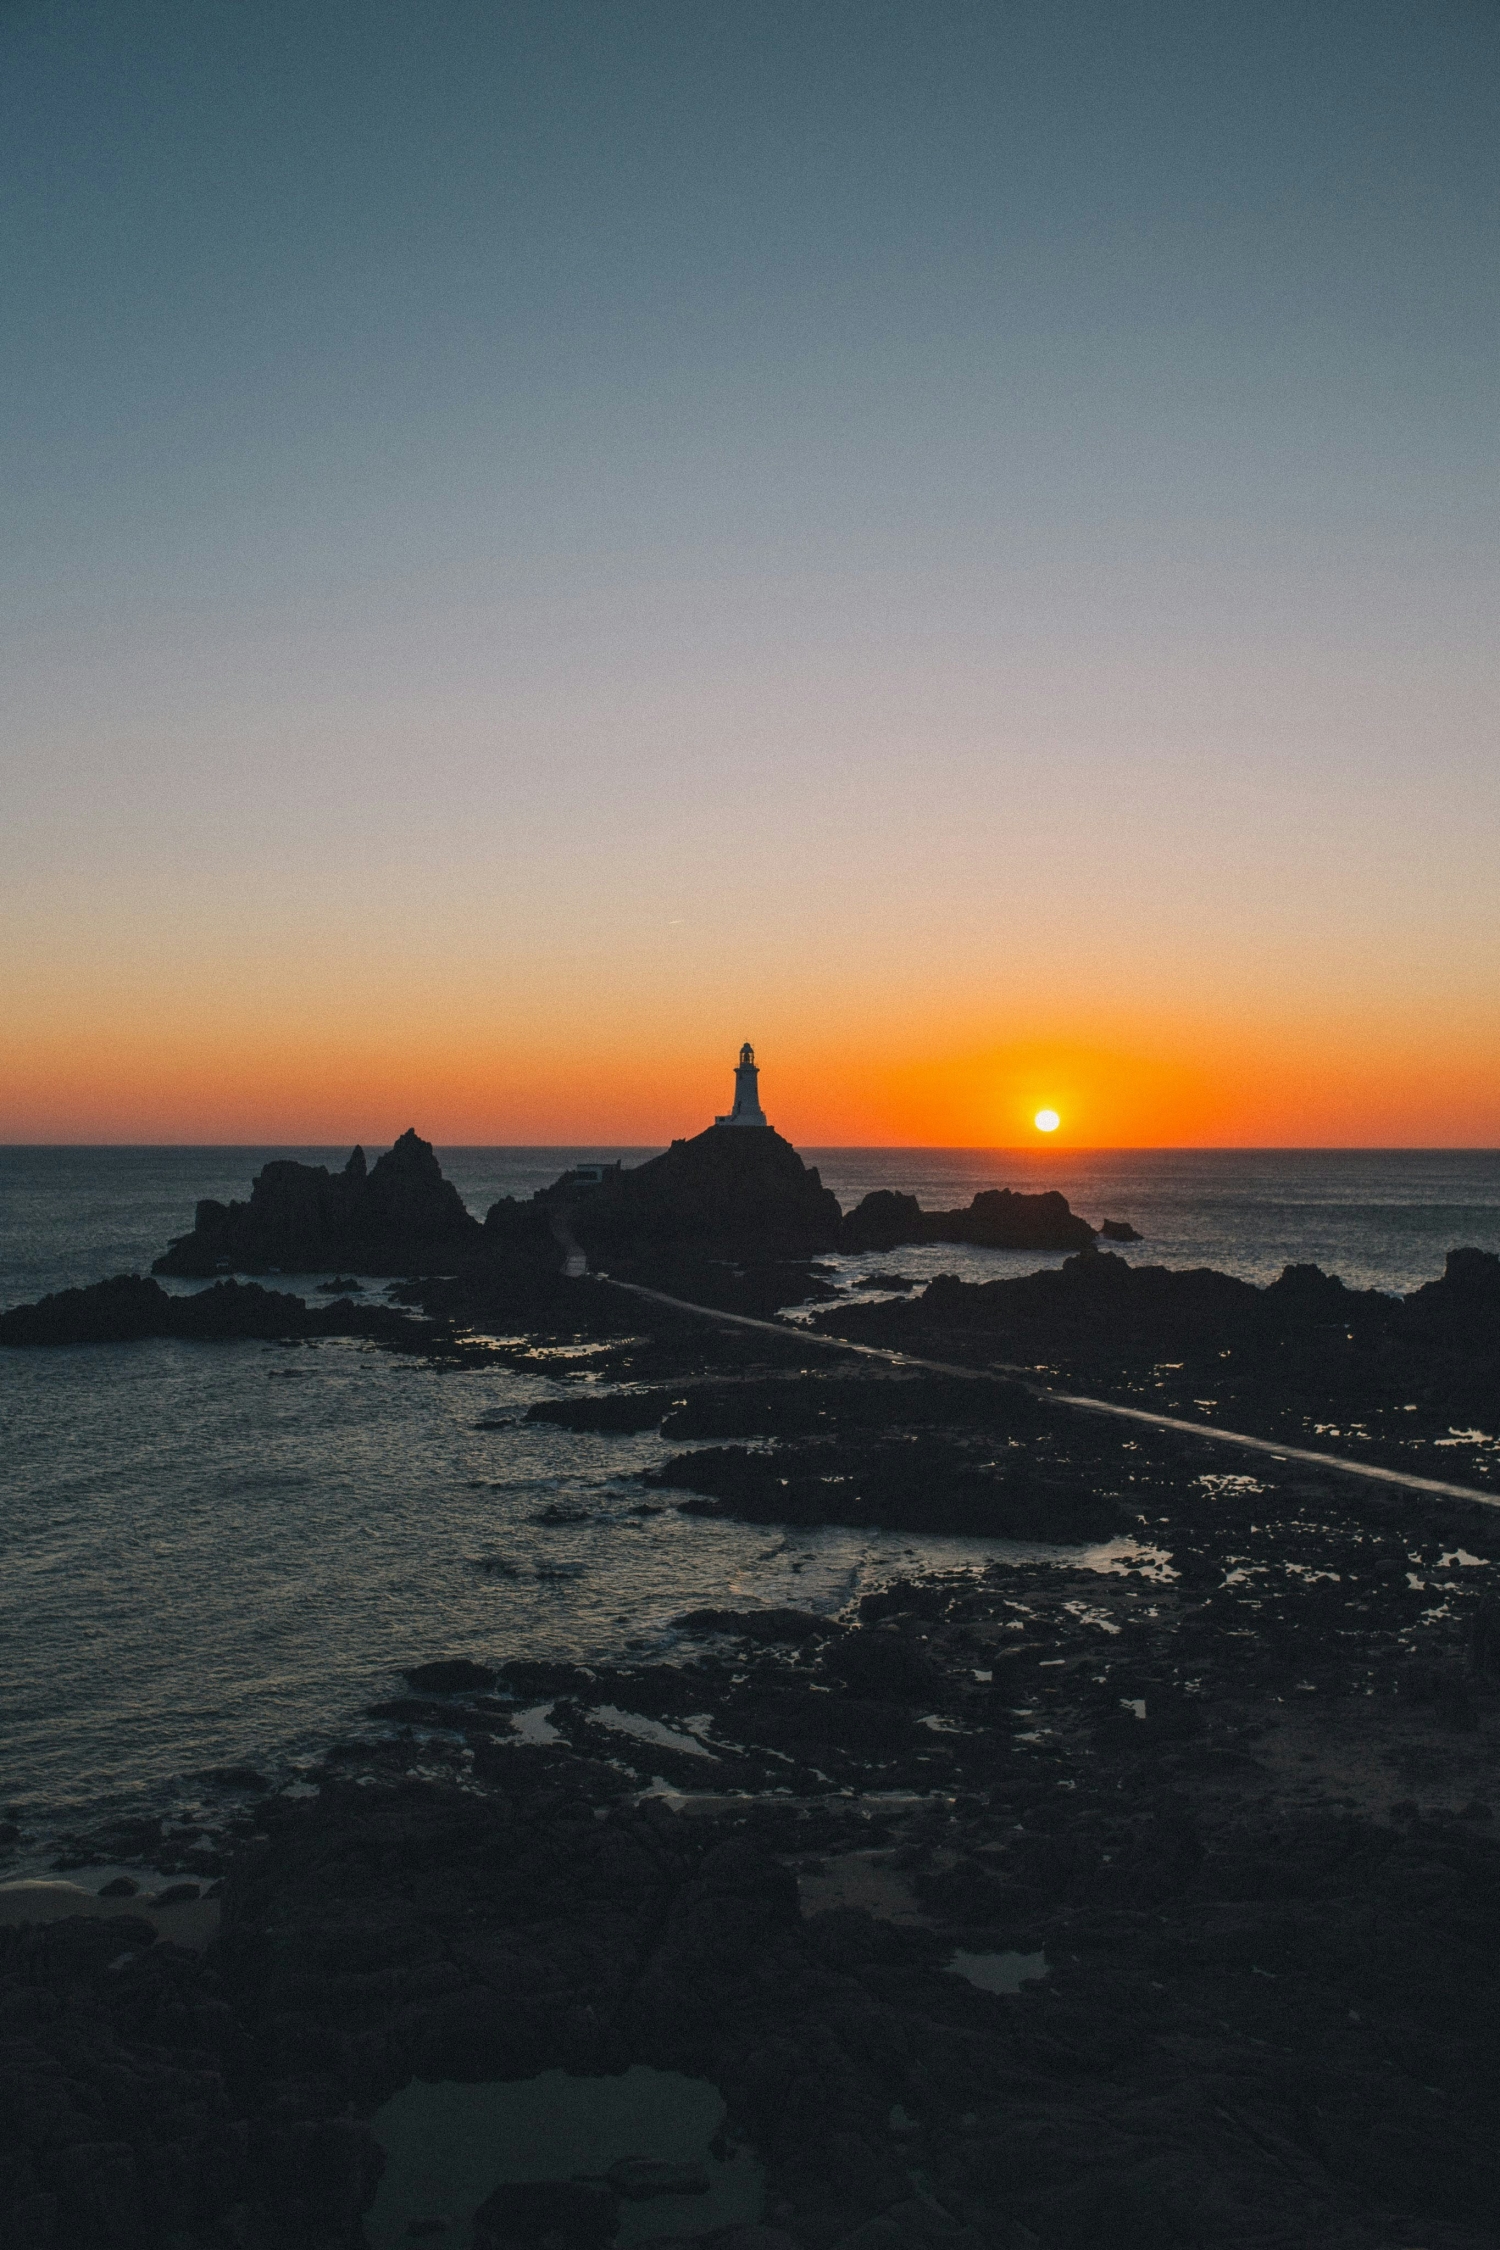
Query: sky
[[956, 542]]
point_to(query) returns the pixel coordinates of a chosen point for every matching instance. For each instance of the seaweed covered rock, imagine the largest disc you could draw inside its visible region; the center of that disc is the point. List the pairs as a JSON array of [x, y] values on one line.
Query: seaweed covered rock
[[396, 1217]]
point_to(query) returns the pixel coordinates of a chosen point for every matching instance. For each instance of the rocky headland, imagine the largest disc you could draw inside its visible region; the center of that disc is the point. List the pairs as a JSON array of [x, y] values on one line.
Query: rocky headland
[[726, 1193], [397, 1216], [745, 1197]]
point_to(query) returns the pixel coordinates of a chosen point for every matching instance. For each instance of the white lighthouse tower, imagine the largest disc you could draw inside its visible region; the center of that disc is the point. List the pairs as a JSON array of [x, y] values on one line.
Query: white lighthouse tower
[[747, 1109]]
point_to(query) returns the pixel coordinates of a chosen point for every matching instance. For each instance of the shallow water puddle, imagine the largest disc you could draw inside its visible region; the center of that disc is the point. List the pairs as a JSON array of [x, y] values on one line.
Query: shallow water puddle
[[448, 2145], [998, 1972], [535, 1725], [648, 1730]]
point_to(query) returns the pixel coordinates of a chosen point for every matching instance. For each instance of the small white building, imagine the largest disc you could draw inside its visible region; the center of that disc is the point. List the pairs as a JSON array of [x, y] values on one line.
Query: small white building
[[747, 1109]]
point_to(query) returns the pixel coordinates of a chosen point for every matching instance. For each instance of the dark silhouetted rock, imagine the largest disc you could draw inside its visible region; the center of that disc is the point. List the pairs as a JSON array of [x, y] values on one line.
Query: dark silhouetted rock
[[621, 1412], [919, 1484], [523, 1229], [1119, 1230], [737, 1194], [788, 1625], [548, 2215], [396, 1217], [1464, 1306], [118, 2123], [453, 1675], [129, 1308], [246, 1778], [997, 1219], [638, 2178]]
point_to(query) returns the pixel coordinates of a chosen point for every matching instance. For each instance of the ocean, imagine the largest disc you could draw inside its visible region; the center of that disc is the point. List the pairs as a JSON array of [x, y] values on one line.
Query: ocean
[[217, 1554]]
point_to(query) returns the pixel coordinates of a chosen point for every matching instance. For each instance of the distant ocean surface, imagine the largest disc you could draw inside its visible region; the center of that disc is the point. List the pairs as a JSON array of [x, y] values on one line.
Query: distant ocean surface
[[220, 1553]]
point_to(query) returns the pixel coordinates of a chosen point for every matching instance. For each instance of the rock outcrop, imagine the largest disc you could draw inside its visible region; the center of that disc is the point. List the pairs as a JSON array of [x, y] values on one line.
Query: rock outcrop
[[997, 1219], [119, 2123], [397, 1217], [745, 1194], [1465, 1303], [129, 1308], [1306, 1359]]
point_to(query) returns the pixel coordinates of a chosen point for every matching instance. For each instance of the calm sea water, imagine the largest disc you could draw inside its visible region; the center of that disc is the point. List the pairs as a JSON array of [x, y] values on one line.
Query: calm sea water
[[218, 1553]]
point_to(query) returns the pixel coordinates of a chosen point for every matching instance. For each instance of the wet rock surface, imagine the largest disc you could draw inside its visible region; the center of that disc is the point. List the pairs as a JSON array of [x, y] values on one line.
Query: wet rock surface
[[1235, 1788], [1306, 1360], [1269, 2009], [1231, 1775], [928, 1483], [122, 2110]]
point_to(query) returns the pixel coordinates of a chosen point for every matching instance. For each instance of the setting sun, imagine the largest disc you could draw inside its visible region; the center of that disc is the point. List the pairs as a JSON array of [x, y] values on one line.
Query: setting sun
[[1046, 1121]]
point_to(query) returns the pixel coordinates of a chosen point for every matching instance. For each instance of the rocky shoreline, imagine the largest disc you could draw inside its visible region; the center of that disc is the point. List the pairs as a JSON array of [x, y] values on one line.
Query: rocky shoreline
[[1138, 1888], [1234, 1789]]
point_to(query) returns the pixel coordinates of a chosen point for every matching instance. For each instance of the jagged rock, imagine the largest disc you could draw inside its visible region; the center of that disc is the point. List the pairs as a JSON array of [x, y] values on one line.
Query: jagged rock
[[996, 1219], [397, 1216], [733, 1193], [1119, 1230]]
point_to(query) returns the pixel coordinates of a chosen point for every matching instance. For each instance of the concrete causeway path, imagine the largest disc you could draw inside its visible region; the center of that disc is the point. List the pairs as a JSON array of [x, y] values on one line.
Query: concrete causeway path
[[1005, 1371]]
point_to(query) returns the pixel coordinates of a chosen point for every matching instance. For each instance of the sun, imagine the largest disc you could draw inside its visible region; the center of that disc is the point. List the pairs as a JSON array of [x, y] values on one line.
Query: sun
[[1046, 1121]]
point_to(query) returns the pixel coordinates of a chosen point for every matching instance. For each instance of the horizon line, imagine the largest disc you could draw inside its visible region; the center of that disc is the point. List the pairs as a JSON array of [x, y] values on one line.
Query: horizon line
[[929, 1148]]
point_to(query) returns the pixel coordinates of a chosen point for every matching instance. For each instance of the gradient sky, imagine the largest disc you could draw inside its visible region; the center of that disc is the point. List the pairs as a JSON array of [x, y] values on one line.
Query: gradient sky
[[956, 542]]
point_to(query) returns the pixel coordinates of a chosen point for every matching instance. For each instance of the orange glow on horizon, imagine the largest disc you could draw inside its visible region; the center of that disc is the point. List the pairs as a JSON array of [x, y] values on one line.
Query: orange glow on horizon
[[823, 1086]]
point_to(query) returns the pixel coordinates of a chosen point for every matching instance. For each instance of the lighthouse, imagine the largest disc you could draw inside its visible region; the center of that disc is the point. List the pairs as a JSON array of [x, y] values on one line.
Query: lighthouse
[[747, 1109]]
